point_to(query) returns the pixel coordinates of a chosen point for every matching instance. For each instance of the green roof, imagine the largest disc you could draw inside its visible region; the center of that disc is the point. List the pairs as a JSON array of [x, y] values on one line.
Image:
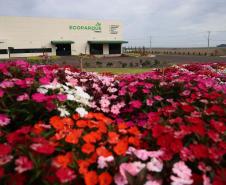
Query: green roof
[[62, 42], [107, 41]]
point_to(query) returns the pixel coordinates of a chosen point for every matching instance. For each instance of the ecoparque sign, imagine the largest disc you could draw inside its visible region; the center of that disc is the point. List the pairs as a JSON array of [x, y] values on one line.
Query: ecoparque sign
[[96, 27]]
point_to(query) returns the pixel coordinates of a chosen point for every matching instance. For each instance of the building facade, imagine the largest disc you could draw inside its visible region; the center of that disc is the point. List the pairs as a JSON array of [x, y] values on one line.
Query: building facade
[[30, 36]]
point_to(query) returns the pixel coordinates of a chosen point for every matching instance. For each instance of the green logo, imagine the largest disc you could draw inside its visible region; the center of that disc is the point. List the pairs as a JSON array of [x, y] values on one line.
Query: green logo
[[95, 28]]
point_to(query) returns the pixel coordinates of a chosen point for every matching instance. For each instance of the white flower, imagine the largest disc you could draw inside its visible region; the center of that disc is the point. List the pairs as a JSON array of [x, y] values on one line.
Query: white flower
[[63, 111], [70, 97], [82, 112], [155, 165], [42, 90]]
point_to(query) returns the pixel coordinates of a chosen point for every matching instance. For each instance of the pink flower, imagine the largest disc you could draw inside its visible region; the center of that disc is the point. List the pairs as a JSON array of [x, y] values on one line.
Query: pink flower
[[182, 174], [4, 120], [6, 84], [115, 109], [102, 161], [23, 164], [119, 179], [132, 168], [155, 165], [5, 159], [23, 97], [141, 154], [38, 97], [73, 81], [104, 102], [158, 98], [65, 175], [152, 182], [186, 93], [149, 102], [203, 167], [206, 180], [136, 104]]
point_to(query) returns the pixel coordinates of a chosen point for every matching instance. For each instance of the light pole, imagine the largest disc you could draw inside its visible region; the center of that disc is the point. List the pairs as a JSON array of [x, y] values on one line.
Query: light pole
[[208, 38]]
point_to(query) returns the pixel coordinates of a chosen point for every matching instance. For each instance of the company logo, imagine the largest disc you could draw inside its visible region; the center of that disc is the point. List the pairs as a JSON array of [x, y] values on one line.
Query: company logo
[[95, 28]]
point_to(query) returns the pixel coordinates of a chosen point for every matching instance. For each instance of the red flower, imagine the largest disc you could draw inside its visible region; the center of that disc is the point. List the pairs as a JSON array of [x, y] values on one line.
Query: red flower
[[153, 117], [65, 175], [43, 148], [121, 147], [2, 172], [187, 108], [220, 177], [113, 137], [105, 178], [199, 150], [23, 164], [176, 145], [5, 149], [88, 148], [197, 179], [218, 125], [91, 178]]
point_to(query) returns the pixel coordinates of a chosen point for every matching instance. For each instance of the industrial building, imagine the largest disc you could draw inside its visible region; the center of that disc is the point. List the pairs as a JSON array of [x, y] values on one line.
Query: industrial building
[[32, 36]]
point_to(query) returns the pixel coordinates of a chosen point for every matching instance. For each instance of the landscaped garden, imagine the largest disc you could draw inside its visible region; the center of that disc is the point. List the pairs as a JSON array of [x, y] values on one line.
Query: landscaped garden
[[62, 126]]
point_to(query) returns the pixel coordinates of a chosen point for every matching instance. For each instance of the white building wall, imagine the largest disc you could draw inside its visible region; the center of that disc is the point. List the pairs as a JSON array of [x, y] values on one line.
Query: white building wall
[[30, 32], [106, 49]]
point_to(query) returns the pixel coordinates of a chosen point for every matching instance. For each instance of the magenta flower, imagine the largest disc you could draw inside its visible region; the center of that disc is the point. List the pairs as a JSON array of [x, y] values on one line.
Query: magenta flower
[[4, 120], [136, 104], [62, 97], [38, 97], [44, 80], [1, 93]]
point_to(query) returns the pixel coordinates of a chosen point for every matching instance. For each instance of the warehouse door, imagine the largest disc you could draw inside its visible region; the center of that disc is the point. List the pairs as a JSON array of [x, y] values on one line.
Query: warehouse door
[[63, 49], [114, 48], [96, 49]]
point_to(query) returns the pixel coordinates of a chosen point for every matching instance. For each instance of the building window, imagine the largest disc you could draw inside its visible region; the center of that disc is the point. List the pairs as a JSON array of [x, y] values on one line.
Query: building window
[[32, 50], [96, 49], [3, 51], [114, 48]]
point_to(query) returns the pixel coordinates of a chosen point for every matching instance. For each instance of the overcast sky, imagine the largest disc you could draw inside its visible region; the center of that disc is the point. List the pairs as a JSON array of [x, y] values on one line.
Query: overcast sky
[[171, 23]]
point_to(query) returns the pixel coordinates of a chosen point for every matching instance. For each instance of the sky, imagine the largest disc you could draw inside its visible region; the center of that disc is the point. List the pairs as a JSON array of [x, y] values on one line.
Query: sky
[[166, 23]]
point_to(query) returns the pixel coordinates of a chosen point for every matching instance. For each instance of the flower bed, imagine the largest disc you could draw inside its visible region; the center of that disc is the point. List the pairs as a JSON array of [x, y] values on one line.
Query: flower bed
[[62, 126]]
